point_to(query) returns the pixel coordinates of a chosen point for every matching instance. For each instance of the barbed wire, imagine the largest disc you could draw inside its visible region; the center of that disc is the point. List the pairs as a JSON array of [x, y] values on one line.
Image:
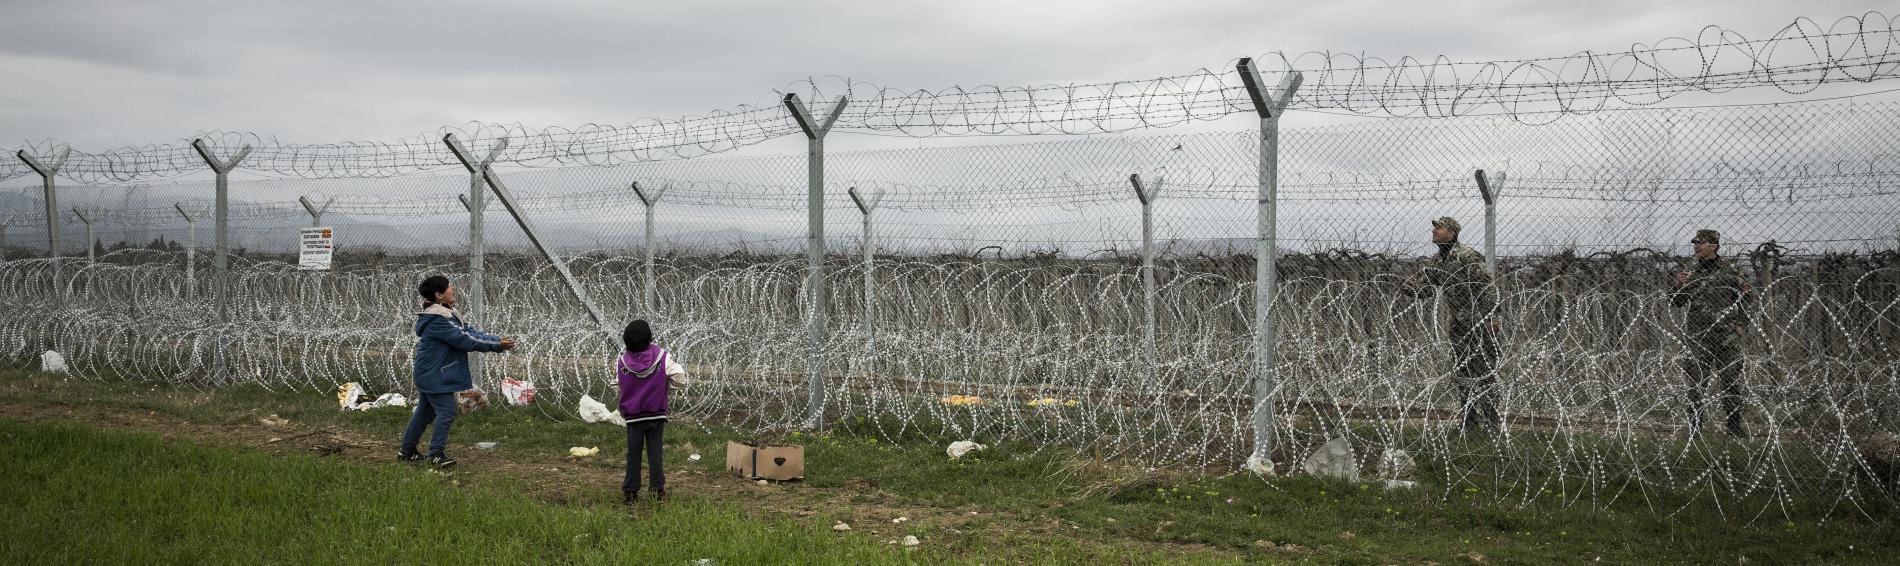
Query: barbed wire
[[1590, 349], [1715, 156], [1797, 59]]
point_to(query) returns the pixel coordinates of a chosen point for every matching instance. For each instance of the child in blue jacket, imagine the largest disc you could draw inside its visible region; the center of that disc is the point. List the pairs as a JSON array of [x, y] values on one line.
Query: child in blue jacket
[[441, 370]]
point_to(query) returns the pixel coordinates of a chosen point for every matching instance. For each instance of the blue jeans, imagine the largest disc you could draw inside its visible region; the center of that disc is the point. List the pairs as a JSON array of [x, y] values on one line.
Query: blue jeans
[[432, 407]]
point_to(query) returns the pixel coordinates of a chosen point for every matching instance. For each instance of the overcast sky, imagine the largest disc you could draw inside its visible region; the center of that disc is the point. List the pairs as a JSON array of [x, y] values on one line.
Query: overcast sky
[[100, 75]]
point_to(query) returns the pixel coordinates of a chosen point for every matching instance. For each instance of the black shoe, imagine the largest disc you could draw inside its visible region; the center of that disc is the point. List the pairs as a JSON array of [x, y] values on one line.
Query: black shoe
[[441, 461], [628, 497], [410, 457], [659, 495]]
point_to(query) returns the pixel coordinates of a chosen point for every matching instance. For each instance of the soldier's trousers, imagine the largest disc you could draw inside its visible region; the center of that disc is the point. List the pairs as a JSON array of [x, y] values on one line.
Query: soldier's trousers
[[1476, 356], [1717, 356]]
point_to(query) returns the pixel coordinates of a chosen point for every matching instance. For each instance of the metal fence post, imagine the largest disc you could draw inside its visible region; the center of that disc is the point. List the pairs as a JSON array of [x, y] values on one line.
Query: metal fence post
[[87, 218], [1147, 195], [47, 172], [1490, 189], [1269, 106], [5, 223], [650, 295], [222, 221], [316, 212], [191, 249], [866, 208], [476, 287], [527, 227], [222, 261], [316, 221], [815, 247]]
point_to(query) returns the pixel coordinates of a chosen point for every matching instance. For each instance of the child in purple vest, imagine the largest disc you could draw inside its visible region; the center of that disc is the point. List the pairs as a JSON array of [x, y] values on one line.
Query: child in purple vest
[[646, 371]]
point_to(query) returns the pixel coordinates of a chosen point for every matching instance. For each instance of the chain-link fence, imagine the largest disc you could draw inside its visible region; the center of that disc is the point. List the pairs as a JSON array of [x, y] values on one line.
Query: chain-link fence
[[1004, 294]]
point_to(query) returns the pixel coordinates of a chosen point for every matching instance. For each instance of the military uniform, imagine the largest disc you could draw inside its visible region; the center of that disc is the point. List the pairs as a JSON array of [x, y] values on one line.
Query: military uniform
[[1716, 299], [1459, 274]]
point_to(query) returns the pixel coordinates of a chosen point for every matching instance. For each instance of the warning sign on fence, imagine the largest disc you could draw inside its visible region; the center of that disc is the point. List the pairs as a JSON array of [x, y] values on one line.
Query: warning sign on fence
[[314, 253]]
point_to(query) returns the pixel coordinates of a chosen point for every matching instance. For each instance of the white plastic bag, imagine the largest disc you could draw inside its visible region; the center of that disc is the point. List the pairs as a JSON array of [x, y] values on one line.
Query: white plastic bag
[[596, 412], [347, 395], [1333, 459], [517, 392], [385, 400], [1396, 464], [1260, 466], [959, 448], [351, 397], [52, 362]]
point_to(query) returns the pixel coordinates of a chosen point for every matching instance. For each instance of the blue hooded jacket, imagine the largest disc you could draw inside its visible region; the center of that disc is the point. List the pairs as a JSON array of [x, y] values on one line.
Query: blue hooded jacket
[[442, 347]]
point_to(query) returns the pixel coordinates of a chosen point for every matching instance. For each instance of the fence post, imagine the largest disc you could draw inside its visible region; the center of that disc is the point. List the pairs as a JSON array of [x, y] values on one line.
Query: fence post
[[474, 284], [222, 221], [221, 261], [191, 249], [316, 212], [1490, 189], [47, 172], [5, 222], [316, 221], [87, 218], [650, 296], [1269, 106], [865, 208], [527, 227], [815, 247], [1147, 195], [476, 202]]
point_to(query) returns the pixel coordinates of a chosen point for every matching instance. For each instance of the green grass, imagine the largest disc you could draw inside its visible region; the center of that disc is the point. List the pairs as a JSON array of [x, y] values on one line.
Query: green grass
[[1049, 505], [78, 495]]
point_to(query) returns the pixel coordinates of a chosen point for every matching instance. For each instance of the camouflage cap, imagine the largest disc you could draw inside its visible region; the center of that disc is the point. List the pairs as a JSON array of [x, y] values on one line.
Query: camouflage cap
[[1448, 223], [1707, 236]]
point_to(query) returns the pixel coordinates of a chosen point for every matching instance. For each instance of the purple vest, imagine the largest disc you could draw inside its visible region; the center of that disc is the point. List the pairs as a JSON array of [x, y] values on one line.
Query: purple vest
[[643, 384]]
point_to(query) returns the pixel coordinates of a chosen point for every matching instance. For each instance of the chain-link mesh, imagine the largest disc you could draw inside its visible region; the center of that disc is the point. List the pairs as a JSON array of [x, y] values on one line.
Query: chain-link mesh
[[1009, 298]]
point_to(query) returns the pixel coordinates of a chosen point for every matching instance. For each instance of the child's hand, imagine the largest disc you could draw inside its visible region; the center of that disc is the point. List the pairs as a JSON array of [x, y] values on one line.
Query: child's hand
[[507, 343]]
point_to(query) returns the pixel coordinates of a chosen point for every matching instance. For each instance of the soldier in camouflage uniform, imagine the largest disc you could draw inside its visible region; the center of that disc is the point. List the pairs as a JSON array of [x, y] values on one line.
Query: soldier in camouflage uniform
[[1458, 273], [1716, 298]]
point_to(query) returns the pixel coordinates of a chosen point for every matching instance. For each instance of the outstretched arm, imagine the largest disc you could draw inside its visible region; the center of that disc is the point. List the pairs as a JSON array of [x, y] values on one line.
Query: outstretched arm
[[478, 333], [676, 373], [464, 338]]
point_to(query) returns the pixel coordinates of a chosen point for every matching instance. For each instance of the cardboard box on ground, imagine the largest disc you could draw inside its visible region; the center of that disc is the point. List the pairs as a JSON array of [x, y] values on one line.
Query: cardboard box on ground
[[771, 461]]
